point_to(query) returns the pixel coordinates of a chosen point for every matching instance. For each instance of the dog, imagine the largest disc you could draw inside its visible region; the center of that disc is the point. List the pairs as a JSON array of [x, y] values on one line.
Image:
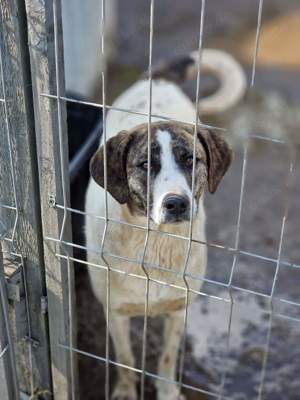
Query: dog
[[127, 248]]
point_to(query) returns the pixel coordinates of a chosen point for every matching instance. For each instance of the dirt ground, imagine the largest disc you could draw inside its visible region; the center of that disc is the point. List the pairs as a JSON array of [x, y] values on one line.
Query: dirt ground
[[270, 110]]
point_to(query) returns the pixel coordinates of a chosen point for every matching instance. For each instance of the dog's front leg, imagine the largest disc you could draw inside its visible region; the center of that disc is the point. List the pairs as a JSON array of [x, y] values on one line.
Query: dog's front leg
[[125, 388], [173, 329]]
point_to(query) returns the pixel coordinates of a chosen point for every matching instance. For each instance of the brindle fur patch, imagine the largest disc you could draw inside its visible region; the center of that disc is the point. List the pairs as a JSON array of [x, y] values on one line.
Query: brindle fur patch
[[182, 145], [116, 153]]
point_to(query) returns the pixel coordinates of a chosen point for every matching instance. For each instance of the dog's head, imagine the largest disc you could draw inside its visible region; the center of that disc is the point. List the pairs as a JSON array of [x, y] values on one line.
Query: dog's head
[[171, 169]]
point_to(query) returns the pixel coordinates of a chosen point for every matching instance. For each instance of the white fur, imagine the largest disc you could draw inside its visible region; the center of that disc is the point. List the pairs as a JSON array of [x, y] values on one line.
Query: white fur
[[170, 178], [167, 101], [128, 292]]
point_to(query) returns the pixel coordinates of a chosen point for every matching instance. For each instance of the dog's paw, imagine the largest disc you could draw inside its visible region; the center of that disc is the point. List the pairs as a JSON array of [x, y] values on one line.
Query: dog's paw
[[124, 391]]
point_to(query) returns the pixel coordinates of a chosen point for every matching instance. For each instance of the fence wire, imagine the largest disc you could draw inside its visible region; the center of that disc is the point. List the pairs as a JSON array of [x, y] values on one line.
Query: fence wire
[[59, 85], [236, 251]]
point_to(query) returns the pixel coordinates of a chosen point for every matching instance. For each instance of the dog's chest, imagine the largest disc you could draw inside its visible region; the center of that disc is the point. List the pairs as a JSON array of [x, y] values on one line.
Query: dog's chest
[[161, 254], [164, 261]]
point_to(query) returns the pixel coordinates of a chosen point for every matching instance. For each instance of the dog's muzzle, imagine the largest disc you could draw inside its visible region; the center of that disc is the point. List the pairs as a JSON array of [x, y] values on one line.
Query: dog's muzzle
[[176, 208]]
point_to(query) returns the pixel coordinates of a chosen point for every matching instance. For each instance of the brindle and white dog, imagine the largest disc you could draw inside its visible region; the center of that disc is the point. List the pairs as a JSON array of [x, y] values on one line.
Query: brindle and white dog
[[171, 201]]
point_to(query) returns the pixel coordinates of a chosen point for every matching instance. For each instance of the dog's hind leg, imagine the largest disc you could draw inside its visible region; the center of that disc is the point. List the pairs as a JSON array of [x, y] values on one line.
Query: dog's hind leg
[[173, 329], [125, 388]]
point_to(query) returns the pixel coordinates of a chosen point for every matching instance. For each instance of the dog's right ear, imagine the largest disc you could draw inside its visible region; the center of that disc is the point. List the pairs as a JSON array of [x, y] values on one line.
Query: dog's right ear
[[116, 155]]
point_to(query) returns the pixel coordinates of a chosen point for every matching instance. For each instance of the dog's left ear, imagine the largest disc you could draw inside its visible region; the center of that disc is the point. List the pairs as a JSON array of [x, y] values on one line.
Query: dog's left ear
[[116, 155], [219, 155]]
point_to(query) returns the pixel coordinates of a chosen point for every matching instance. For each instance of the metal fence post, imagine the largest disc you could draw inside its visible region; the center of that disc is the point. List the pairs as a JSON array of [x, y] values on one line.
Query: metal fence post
[[46, 58], [18, 162]]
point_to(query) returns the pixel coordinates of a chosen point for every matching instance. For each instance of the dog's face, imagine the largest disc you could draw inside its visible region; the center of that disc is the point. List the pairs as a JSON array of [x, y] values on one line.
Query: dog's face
[[171, 178]]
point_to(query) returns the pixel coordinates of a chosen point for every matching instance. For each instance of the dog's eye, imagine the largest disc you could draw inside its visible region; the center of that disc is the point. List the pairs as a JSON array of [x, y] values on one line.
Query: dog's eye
[[189, 161], [144, 165]]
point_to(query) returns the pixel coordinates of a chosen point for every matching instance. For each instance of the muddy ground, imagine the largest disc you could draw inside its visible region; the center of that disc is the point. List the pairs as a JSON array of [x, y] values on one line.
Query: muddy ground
[[270, 110]]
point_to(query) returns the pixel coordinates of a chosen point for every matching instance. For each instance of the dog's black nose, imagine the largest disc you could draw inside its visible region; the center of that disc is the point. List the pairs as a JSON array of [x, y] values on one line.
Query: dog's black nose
[[175, 204]]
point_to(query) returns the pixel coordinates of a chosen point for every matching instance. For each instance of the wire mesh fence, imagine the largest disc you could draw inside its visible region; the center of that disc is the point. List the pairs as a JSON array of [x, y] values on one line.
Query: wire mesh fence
[[47, 252]]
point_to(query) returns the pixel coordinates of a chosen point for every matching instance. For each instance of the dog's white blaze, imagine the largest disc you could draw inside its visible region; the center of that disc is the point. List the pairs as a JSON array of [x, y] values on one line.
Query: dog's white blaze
[[169, 179]]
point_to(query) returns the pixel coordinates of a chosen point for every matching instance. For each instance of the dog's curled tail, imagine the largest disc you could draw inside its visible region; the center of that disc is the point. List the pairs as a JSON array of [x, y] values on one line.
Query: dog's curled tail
[[219, 63]]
